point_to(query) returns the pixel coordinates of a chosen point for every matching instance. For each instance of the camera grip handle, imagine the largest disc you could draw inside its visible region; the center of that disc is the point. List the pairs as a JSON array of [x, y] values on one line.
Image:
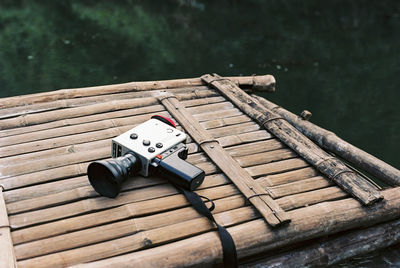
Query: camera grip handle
[[180, 172]]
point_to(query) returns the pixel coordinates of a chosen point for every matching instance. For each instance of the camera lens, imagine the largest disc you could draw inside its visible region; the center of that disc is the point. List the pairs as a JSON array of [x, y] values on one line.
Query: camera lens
[[106, 176]]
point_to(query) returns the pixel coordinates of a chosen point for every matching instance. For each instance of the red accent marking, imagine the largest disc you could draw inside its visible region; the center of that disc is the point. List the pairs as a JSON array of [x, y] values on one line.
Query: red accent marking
[[159, 156], [166, 118]]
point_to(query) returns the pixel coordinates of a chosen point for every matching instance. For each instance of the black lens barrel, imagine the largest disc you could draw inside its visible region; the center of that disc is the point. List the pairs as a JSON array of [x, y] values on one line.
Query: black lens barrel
[[106, 176]]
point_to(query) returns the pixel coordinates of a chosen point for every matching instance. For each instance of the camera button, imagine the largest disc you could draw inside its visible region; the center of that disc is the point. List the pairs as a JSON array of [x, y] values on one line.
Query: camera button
[[151, 150], [146, 142], [133, 136], [169, 130], [159, 145]]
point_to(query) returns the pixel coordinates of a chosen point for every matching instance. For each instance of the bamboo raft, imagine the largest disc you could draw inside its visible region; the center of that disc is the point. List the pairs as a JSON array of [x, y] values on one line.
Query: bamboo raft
[[285, 200]]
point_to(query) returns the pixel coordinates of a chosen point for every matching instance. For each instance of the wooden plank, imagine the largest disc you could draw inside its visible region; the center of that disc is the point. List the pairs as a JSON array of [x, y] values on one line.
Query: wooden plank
[[333, 168], [272, 213], [7, 258]]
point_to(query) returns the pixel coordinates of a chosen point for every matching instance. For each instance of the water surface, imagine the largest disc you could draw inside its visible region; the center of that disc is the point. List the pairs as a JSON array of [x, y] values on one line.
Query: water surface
[[338, 59]]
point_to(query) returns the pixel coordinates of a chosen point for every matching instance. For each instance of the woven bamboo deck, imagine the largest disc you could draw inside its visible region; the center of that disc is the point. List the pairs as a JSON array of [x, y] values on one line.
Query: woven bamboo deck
[[50, 216]]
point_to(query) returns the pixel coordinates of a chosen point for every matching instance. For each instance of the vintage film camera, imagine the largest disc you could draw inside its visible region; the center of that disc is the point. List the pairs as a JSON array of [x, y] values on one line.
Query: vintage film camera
[[153, 147]]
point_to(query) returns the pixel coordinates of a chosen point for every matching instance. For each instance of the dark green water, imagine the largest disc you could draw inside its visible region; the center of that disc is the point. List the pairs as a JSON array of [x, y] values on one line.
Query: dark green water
[[338, 59]]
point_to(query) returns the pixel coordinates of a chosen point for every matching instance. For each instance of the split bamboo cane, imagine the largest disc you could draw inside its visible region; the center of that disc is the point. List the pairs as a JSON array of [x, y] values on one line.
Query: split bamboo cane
[[329, 141], [259, 83]]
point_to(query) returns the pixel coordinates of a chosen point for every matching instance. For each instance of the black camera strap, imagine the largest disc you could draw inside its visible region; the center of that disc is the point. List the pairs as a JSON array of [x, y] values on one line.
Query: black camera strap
[[228, 245]]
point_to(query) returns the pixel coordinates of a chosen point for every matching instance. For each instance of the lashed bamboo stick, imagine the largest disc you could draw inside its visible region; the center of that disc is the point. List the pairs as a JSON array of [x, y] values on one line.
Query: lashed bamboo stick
[[80, 138], [306, 224], [85, 205], [194, 158], [289, 176], [93, 204], [271, 212], [138, 241], [151, 207], [96, 153], [49, 116], [264, 83], [87, 191], [329, 141], [79, 169], [305, 185], [110, 123], [200, 92], [325, 163], [7, 258], [190, 99], [337, 249], [232, 118], [163, 222], [120, 229]]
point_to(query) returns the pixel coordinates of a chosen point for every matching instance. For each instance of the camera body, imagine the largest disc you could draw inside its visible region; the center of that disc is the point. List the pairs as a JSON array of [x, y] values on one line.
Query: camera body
[[147, 140], [153, 147]]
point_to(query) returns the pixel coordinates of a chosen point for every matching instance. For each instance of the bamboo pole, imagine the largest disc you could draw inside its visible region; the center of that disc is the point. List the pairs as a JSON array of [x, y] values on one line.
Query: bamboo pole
[[88, 110], [232, 118], [131, 226], [206, 98], [122, 228], [329, 141], [159, 205], [51, 199], [38, 145], [336, 249], [256, 237], [325, 163], [271, 212], [68, 184], [289, 176], [264, 83], [80, 169], [97, 153], [140, 230], [85, 205], [199, 91], [7, 258], [110, 123]]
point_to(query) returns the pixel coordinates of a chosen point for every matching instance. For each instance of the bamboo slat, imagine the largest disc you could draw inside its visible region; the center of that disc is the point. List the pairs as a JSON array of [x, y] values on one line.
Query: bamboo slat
[[86, 205], [336, 249], [141, 208], [51, 198], [105, 128], [80, 169], [272, 213], [325, 163], [264, 83], [328, 140], [132, 227], [7, 258], [307, 223], [199, 91], [288, 177]]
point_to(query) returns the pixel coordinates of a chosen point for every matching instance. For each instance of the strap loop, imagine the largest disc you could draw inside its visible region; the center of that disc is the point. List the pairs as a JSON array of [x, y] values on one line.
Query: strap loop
[[228, 245]]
